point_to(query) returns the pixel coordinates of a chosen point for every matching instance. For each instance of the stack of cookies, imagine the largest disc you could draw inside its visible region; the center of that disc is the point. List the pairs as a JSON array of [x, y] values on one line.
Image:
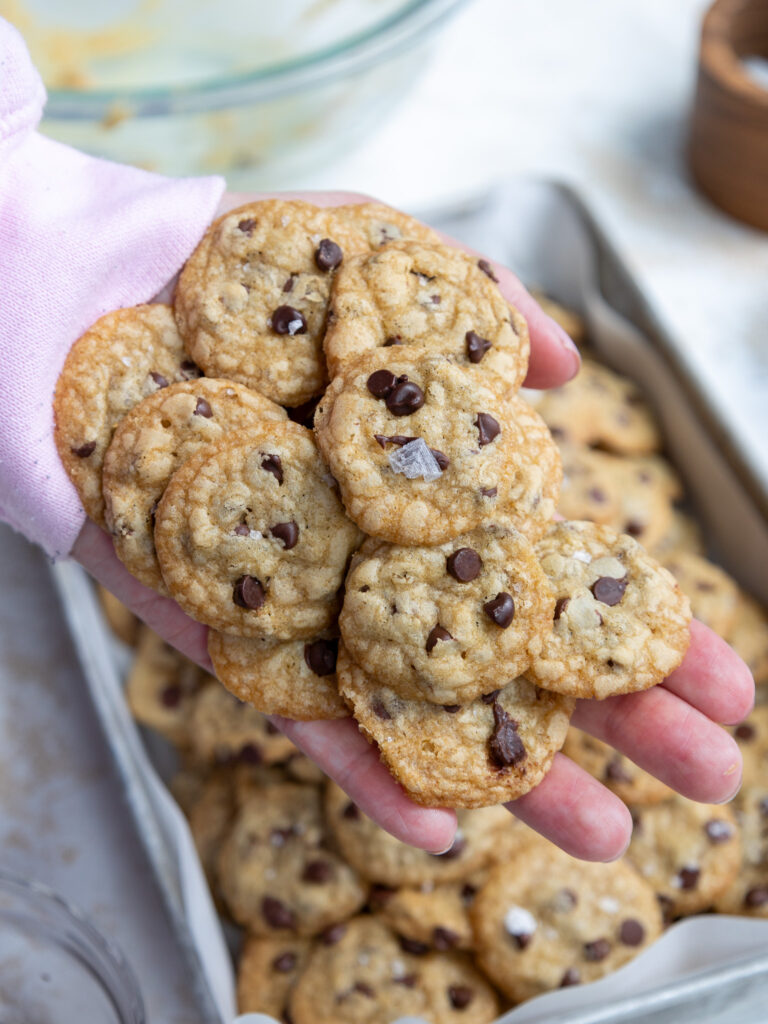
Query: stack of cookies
[[415, 520]]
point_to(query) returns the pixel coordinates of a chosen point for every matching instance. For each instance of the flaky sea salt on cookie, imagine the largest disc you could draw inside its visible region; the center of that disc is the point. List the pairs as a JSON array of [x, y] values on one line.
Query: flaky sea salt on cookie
[[412, 293], [447, 623], [252, 538], [621, 622], [493, 749]]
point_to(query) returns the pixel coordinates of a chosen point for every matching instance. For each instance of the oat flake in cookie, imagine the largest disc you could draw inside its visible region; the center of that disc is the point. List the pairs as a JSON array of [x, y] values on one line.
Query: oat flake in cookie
[[547, 921], [252, 538], [149, 445], [367, 976], [126, 356], [621, 623], [447, 623], [493, 749], [391, 398], [252, 300], [434, 296]]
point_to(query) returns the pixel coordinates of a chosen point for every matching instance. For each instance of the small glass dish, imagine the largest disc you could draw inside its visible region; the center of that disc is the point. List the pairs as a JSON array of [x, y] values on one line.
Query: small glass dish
[[55, 966]]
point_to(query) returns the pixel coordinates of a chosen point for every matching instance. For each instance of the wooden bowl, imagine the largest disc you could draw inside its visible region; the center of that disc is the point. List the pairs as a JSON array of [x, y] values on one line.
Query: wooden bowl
[[728, 145]]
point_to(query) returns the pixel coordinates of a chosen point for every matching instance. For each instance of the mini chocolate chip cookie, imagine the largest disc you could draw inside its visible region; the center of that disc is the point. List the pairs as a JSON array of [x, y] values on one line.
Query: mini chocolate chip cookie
[[126, 356], [123, 623], [747, 895], [367, 975], [267, 971], [433, 296], [252, 538], [380, 224], [429, 917], [630, 783], [493, 749], [752, 738], [416, 443], [210, 817], [252, 300], [278, 873], [548, 921], [446, 623], [293, 678], [748, 635], [713, 594], [621, 623], [688, 852], [602, 409], [224, 730], [382, 859], [152, 441]]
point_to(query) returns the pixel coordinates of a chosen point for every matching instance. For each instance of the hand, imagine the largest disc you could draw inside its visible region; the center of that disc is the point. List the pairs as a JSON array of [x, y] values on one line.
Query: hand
[[670, 731]]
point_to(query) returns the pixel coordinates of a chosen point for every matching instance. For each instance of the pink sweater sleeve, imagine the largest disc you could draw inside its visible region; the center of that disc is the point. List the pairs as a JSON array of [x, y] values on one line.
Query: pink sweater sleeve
[[78, 237]]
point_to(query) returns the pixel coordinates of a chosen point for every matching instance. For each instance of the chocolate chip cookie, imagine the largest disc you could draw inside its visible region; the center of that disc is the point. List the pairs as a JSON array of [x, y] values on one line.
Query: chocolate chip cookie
[[493, 749], [293, 678], [366, 975], [747, 895], [267, 971], [278, 873], [450, 622], [126, 356], [380, 224], [434, 296], [713, 594], [621, 623], [152, 441], [417, 444], [548, 921], [748, 635], [630, 783], [429, 917], [252, 538], [224, 730]]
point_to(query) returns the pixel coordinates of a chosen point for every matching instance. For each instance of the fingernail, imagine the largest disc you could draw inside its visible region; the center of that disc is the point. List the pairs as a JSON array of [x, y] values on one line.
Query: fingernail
[[735, 767], [567, 343]]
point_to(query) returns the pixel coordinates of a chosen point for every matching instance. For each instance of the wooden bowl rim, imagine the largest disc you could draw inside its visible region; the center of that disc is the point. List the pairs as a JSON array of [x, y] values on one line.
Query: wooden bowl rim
[[718, 56]]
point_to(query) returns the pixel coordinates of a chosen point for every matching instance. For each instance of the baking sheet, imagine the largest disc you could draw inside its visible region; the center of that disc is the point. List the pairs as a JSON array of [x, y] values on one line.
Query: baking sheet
[[713, 970]]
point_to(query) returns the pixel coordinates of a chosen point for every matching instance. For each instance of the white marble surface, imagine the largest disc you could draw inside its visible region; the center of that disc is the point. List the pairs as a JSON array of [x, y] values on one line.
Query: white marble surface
[[597, 94]]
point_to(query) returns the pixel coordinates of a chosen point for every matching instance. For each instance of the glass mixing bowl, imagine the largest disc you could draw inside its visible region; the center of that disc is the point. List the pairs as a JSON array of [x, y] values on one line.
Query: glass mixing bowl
[[55, 966], [255, 89]]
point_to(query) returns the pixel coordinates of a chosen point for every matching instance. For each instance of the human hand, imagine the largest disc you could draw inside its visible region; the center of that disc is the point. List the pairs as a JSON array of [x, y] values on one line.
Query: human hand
[[670, 731]]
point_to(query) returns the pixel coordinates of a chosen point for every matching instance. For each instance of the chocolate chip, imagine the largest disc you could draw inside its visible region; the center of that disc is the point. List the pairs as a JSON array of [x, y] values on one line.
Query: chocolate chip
[[460, 996], [405, 398], [409, 980], [328, 255], [288, 533], [442, 460], [476, 346], [631, 932], [490, 698], [364, 989], [380, 895], [521, 939], [170, 697], [304, 413], [285, 962], [84, 450], [396, 340], [487, 428], [377, 707], [456, 850], [159, 379], [468, 892], [756, 897], [320, 657], [464, 564], [688, 877], [571, 977], [381, 383], [190, 370], [452, 709], [333, 934], [412, 946], [273, 464], [287, 320], [597, 950], [608, 590], [276, 914], [615, 770], [435, 634], [634, 528], [505, 748], [718, 831], [270, 729], [248, 593], [489, 492], [203, 409], [351, 812], [242, 530], [560, 606], [486, 268], [398, 439], [288, 286], [501, 609], [247, 225], [745, 731], [250, 754], [318, 872], [596, 494], [444, 939]]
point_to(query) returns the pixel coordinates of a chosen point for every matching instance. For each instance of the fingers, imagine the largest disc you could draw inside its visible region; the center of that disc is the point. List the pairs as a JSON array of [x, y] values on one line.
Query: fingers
[[713, 678], [668, 738], [342, 752], [577, 813], [94, 551]]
